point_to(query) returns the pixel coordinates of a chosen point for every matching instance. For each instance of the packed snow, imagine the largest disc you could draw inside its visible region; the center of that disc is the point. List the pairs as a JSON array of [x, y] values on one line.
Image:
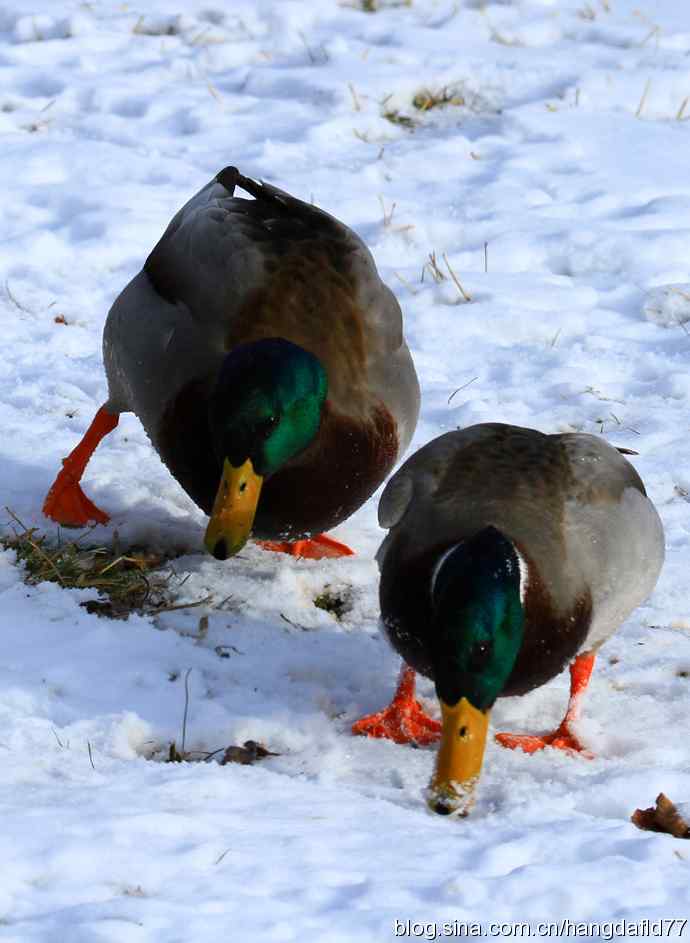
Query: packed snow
[[546, 174]]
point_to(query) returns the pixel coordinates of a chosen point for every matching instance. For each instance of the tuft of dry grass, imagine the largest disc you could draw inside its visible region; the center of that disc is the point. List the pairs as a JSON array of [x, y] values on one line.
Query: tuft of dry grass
[[397, 117], [127, 582], [426, 99], [432, 265], [336, 601]]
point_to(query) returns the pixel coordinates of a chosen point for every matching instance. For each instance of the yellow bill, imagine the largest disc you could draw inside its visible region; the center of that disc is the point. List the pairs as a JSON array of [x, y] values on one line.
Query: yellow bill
[[459, 761], [233, 511]]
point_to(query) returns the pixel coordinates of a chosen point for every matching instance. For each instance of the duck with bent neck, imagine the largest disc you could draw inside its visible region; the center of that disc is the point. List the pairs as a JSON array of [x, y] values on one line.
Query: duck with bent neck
[[510, 554], [266, 361]]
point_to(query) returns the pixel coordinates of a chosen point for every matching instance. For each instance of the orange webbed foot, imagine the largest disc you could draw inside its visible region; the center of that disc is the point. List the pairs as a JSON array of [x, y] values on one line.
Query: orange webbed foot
[[67, 504], [319, 547], [403, 721], [561, 739], [410, 725]]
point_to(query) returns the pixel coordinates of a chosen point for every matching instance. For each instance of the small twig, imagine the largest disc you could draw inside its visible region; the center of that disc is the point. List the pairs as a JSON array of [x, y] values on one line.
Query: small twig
[[186, 708], [220, 857], [13, 299], [59, 741], [464, 386], [355, 99], [295, 625], [222, 603], [681, 110], [456, 279], [207, 756], [486, 257], [93, 766], [182, 605]]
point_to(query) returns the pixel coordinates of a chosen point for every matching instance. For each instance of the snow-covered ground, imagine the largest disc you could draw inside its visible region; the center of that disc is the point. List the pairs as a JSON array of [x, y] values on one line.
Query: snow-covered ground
[[557, 184]]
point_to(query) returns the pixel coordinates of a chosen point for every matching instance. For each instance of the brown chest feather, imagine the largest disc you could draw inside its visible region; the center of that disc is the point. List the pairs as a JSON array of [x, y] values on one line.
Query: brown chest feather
[[550, 640], [317, 490]]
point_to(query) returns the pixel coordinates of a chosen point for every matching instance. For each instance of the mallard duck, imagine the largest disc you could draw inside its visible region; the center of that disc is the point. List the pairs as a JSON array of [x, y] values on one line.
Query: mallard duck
[[266, 361], [510, 554]]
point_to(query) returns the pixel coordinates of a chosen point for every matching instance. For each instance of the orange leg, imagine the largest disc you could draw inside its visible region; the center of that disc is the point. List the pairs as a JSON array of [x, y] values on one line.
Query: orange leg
[[404, 720], [563, 737], [317, 548], [66, 503]]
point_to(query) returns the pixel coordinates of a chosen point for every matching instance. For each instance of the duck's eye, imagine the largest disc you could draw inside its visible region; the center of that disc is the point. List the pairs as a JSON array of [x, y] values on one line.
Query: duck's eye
[[267, 425], [481, 653]]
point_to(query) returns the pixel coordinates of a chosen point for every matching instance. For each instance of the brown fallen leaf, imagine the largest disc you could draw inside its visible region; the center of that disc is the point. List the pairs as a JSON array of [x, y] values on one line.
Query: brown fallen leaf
[[247, 754], [664, 817]]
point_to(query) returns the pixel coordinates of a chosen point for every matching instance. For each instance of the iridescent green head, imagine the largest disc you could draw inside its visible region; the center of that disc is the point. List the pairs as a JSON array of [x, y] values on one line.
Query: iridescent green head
[[267, 404], [476, 633], [266, 408], [477, 618]]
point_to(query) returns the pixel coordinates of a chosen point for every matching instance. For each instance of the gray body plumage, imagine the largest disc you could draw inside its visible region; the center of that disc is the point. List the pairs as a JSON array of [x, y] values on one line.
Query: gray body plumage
[[231, 270], [217, 254], [574, 507]]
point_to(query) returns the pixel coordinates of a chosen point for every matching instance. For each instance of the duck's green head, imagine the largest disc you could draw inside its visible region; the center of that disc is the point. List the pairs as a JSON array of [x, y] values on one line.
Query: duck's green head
[[265, 409], [476, 635]]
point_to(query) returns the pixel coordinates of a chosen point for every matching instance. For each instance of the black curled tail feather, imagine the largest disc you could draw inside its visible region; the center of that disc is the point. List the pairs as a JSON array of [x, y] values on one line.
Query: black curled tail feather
[[281, 203], [229, 177]]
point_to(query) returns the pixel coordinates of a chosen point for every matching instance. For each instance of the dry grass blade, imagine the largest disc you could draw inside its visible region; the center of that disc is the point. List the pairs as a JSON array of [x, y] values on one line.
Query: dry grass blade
[[643, 100], [432, 265], [186, 708], [403, 281], [455, 278], [387, 214]]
